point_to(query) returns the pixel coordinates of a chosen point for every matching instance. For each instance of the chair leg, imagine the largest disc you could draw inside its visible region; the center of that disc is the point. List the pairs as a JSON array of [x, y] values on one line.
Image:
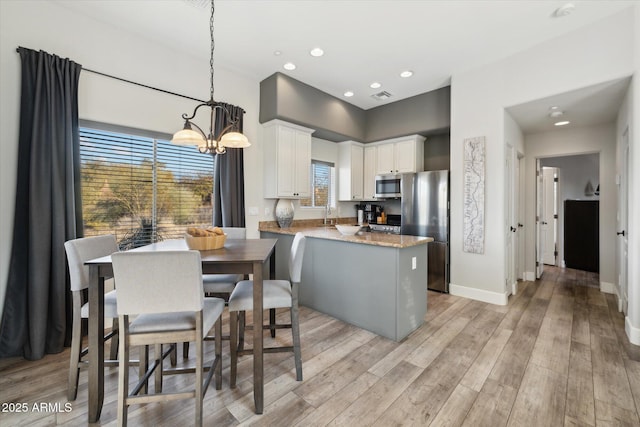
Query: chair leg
[[158, 372], [272, 321], [243, 322], [113, 355], [233, 345], [143, 367], [185, 350], [123, 377], [199, 392], [218, 353], [74, 359], [295, 331], [173, 356]]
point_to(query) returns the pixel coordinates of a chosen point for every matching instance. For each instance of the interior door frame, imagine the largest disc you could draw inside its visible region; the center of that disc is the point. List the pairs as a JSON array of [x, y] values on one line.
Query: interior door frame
[[623, 226], [511, 183], [539, 234]]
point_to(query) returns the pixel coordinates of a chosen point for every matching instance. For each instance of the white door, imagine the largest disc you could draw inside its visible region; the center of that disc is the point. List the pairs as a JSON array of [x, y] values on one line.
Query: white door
[[623, 215], [520, 212], [510, 223], [548, 223], [539, 234]]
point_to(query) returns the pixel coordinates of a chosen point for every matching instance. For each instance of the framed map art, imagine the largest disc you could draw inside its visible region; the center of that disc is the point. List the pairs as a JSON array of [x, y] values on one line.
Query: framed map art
[[473, 203]]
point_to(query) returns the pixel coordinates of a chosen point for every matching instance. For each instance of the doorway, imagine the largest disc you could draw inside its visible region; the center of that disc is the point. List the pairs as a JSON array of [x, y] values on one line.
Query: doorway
[[572, 182]]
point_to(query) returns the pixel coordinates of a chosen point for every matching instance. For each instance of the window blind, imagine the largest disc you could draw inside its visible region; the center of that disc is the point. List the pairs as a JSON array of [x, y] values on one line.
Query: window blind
[[322, 185], [142, 189]]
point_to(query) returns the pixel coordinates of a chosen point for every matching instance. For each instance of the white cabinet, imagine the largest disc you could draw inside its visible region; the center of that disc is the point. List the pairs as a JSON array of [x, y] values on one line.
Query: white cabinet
[[400, 155], [350, 171], [287, 160], [369, 185]]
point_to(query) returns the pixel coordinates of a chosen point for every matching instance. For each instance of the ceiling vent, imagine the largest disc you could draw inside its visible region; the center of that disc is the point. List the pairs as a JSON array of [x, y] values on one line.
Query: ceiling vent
[[381, 96]]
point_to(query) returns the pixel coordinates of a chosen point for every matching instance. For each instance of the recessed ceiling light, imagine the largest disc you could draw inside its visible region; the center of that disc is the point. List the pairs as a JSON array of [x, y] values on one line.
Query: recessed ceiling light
[[563, 10], [316, 51], [348, 94], [290, 66], [375, 85], [277, 53], [407, 73], [563, 123], [556, 113], [554, 107]]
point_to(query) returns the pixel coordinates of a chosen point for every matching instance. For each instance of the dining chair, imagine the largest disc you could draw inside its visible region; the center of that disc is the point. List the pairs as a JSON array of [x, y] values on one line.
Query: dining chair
[[78, 251], [164, 291], [276, 294], [220, 285]]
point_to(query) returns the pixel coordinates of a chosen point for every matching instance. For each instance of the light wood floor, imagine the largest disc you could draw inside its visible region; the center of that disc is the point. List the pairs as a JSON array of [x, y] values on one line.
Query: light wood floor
[[556, 355]]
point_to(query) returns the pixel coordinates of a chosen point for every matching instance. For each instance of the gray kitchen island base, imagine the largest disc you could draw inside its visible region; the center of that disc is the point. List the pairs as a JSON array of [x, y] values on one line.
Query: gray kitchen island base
[[378, 288]]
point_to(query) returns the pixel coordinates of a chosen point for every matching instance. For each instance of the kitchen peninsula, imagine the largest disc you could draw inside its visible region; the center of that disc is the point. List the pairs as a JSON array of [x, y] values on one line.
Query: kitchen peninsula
[[375, 281]]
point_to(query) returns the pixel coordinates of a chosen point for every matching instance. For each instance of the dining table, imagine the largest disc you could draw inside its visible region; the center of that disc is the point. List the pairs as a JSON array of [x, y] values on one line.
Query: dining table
[[240, 256]]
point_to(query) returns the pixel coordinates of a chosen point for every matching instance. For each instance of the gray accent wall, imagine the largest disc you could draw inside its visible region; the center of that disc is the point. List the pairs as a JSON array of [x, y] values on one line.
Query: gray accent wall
[[285, 98], [437, 154], [424, 114]]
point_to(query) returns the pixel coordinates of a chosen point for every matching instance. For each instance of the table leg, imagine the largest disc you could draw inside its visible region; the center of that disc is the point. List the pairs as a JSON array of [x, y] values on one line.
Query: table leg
[[96, 343], [258, 371]]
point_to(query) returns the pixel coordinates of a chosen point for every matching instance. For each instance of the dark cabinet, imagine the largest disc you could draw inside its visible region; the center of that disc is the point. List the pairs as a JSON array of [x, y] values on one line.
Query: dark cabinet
[[581, 234]]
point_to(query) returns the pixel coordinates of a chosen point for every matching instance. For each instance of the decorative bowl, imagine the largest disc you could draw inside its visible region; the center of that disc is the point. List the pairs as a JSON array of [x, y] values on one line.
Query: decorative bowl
[[205, 243], [348, 230]]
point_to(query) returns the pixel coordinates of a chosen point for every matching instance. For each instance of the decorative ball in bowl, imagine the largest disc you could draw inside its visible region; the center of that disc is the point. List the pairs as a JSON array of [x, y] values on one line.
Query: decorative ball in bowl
[[348, 230], [205, 239]]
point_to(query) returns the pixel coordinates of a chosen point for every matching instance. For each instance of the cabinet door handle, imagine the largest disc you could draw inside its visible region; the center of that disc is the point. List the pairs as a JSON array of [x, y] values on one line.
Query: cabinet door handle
[[620, 233]]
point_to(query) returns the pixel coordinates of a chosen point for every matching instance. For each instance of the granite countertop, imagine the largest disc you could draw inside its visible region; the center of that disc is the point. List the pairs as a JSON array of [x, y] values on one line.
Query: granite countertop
[[310, 229]]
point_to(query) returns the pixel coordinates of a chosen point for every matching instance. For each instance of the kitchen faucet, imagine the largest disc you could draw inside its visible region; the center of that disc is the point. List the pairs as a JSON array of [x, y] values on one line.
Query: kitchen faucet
[[327, 212]]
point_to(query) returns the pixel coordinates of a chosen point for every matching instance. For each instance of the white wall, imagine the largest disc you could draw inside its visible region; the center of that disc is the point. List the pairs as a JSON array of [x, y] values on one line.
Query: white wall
[[597, 53], [567, 141], [48, 26]]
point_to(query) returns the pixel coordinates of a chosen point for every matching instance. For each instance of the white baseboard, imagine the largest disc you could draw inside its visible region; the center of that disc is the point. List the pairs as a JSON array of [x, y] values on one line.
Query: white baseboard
[[608, 288], [530, 276], [563, 264], [479, 294], [633, 333], [514, 288]]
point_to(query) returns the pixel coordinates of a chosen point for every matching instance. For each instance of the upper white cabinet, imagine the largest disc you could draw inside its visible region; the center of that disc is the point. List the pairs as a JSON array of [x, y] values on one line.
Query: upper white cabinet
[[287, 160], [370, 160], [350, 171], [400, 155]]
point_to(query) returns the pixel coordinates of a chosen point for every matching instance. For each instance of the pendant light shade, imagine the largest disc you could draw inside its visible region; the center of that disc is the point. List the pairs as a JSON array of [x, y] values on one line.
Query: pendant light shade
[[188, 136], [234, 140]]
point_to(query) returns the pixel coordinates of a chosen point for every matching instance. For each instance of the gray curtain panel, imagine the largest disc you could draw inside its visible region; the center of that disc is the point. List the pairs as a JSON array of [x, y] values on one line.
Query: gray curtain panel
[[47, 208], [228, 176]]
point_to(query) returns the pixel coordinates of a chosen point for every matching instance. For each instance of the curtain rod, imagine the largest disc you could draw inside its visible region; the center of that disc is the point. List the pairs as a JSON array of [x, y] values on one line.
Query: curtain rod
[[142, 85], [132, 82], [136, 83]]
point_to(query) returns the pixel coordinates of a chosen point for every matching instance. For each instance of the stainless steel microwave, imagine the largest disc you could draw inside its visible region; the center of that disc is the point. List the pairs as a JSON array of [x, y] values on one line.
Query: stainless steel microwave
[[388, 186]]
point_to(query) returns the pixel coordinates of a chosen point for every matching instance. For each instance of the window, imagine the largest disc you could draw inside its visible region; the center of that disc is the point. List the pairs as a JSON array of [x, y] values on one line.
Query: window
[[323, 178], [142, 189]]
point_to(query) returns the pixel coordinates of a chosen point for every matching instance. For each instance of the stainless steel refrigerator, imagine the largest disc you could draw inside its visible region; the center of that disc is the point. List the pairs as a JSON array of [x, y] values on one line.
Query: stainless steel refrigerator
[[425, 212]]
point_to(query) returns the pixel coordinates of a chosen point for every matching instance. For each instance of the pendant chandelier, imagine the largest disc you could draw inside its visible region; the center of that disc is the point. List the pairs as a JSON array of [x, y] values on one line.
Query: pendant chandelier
[[227, 137]]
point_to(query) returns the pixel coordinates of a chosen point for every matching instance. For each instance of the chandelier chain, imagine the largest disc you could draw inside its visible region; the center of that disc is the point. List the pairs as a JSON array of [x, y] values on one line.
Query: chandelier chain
[[213, 46]]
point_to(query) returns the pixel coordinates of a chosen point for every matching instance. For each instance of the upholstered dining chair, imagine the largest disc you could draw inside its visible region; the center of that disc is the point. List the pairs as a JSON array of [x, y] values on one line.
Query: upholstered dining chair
[[78, 251], [276, 294], [220, 285], [164, 290]]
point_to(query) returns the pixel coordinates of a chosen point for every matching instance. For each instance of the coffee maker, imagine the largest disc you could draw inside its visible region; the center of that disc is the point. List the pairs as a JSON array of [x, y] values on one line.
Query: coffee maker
[[371, 212]]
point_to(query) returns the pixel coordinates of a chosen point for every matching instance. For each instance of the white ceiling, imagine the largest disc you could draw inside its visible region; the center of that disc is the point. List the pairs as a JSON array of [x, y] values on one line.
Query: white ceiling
[[364, 41]]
